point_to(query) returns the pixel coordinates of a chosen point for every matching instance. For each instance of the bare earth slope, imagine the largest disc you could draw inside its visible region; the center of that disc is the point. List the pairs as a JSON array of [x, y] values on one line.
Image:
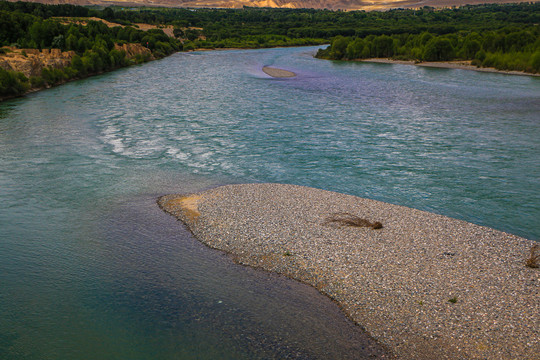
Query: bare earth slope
[[31, 62], [425, 285]]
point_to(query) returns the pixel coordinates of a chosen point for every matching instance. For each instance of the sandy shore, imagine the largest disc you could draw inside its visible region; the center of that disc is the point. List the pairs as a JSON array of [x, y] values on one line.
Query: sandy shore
[[279, 73], [462, 65], [424, 285]]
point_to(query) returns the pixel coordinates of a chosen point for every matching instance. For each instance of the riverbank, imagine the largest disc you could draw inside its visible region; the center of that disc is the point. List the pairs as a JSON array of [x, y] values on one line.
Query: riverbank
[[60, 83], [461, 65], [274, 72], [424, 285], [35, 70]]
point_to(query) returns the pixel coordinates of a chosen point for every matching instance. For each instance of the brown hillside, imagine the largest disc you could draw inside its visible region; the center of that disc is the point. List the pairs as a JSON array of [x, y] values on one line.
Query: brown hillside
[[167, 29], [315, 4]]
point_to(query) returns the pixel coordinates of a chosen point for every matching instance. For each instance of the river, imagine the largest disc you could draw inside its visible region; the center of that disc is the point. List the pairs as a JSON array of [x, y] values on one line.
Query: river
[[90, 268]]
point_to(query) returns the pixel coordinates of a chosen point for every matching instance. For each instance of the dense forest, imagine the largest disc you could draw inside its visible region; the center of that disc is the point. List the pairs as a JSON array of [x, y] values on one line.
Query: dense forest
[[510, 45], [503, 36], [510, 48]]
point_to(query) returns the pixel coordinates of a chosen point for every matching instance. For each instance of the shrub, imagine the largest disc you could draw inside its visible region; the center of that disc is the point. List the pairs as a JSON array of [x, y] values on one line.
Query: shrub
[[13, 83], [37, 82], [346, 219], [534, 259], [480, 55], [53, 76], [438, 49], [535, 61]]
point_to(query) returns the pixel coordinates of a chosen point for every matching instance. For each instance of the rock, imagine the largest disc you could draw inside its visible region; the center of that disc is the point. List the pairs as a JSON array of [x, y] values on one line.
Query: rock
[[31, 62], [132, 50]]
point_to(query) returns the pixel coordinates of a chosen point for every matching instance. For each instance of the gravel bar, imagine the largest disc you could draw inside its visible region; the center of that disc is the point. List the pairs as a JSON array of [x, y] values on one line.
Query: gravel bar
[[278, 73], [424, 285]]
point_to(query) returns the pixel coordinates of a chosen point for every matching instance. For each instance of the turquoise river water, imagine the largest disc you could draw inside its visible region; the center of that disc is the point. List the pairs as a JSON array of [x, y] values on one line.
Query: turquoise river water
[[90, 268]]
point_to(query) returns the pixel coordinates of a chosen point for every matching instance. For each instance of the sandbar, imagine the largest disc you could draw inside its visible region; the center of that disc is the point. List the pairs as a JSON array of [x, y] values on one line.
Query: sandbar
[[278, 73], [425, 286]]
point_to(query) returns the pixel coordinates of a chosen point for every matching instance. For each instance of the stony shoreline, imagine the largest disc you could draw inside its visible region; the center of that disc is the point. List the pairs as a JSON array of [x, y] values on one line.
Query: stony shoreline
[[461, 65], [424, 285]]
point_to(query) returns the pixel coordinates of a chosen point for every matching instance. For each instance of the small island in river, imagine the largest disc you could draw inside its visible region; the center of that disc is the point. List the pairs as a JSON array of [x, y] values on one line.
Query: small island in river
[[278, 73], [424, 285]]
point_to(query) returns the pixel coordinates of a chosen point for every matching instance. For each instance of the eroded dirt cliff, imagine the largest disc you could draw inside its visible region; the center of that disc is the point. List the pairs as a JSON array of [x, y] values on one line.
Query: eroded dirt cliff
[[31, 62]]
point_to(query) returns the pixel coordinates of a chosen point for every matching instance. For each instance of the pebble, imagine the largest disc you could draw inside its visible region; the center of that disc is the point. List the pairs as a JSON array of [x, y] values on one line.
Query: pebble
[[395, 282]]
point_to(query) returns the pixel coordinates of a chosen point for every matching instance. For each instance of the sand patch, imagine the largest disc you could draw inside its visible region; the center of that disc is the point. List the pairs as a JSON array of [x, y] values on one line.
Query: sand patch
[[167, 29], [188, 205], [278, 73]]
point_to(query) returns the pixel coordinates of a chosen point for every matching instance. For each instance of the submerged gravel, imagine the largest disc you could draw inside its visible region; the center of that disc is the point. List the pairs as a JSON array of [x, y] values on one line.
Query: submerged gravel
[[426, 286]]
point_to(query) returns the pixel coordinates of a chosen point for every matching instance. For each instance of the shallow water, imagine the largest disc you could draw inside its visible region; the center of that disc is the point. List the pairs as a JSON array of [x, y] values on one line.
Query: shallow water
[[91, 268]]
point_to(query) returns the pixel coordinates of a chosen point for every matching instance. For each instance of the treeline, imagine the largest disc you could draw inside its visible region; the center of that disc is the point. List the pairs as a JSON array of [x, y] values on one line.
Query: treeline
[[503, 36], [260, 27], [509, 48], [265, 27], [31, 31], [94, 44]]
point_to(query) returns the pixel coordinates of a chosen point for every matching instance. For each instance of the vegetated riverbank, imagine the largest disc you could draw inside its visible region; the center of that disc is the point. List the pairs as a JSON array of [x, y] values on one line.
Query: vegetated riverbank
[[505, 49], [425, 285], [25, 71], [40, 50]]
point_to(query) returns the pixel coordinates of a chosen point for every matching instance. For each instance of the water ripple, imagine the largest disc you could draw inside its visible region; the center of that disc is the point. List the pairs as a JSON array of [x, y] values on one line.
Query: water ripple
[[426, 138]]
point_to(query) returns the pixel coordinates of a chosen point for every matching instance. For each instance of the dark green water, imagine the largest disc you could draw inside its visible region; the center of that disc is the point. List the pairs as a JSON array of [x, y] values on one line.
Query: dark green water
[[90, 268]]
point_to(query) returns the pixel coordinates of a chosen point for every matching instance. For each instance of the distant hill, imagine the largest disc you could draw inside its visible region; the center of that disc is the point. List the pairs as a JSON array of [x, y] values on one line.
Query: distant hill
[[294, 4]]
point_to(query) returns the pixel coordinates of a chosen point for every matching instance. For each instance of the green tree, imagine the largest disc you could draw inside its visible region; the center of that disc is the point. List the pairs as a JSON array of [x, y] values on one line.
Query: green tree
[[438, 49], [108, 14], [71, 42], [354, 49], [77, 64], [12, 83], [58, 42], [384, 46], [535, 61], [470, 48], [339, 47]]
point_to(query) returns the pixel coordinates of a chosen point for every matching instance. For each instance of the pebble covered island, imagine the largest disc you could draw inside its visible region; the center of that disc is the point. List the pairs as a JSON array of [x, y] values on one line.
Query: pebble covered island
[[423, 285]]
